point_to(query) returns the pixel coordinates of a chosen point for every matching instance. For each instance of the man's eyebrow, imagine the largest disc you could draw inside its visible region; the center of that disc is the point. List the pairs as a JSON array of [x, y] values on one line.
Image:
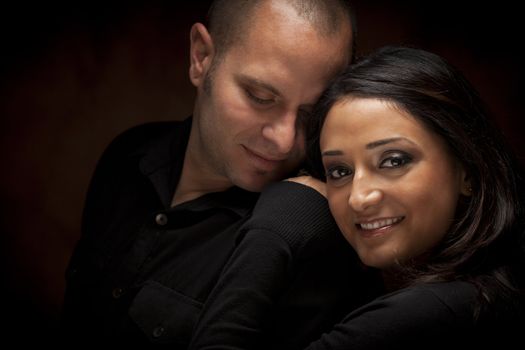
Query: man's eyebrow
[[258, 83], [386, 141]]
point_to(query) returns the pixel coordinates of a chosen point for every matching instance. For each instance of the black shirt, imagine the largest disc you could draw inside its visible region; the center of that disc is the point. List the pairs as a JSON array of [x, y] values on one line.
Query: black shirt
[[142, 270]]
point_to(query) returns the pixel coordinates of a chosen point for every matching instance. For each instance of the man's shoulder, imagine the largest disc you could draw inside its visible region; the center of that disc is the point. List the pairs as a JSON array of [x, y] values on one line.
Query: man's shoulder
[[139, 137], [144, 133]]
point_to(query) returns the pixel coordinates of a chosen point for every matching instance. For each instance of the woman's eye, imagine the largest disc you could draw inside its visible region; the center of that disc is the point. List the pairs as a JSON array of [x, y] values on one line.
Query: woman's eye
[[337, 173], [259, 100], [395, 161]]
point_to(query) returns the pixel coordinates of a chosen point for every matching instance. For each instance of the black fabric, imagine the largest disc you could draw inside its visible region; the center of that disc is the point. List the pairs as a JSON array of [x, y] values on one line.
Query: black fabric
[[123, 251], [143, 271], [292, 278], [425, 316]]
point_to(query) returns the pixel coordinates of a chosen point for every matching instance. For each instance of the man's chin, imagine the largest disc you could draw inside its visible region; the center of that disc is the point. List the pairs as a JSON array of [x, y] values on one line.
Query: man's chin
[[255, 186], [257, 180]]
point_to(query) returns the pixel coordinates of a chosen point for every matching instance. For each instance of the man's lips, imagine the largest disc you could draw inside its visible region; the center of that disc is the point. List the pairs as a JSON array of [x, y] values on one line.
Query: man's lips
[[263, 161]]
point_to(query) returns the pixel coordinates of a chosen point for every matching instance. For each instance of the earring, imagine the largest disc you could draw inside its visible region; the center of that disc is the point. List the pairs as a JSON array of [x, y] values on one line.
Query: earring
[[467, 190]]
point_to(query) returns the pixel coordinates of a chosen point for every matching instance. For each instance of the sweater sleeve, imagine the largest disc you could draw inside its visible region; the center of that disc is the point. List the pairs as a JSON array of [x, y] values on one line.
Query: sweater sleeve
[[281, 236], [298, 214]]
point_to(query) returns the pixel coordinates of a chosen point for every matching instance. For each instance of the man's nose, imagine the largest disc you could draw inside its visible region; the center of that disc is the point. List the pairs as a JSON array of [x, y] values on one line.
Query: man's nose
[[282, 133]]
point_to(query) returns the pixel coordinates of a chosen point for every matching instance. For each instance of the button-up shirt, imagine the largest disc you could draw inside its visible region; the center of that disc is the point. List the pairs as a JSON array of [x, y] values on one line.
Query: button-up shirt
[[142, 270]]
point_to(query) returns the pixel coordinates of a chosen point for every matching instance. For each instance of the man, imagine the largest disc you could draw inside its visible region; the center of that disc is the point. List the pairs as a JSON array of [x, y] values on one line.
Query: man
[[166, 202]]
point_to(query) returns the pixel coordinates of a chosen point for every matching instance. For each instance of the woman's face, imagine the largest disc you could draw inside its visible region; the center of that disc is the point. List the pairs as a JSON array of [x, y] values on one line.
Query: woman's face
[[392, 185]]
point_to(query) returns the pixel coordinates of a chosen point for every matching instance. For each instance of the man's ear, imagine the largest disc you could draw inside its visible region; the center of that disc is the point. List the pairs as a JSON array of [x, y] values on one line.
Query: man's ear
[[201, 53]]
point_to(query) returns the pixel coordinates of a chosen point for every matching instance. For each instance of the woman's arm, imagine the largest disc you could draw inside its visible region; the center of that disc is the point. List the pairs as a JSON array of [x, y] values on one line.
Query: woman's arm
[[290, 278]]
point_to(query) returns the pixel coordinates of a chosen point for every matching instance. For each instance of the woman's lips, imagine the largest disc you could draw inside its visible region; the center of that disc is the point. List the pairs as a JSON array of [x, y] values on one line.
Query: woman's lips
[[378, 226]]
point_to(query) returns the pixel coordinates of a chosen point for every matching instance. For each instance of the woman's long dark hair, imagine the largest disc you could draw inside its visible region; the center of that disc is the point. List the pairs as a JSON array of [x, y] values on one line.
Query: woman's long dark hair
[[485, 245]]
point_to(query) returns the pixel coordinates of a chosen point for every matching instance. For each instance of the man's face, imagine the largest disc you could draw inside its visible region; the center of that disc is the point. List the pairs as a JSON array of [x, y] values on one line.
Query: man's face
[[252, 107]]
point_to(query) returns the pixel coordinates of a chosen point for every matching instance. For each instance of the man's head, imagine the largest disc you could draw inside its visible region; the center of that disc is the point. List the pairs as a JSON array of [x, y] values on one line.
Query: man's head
[[229, 19], [258, 70]]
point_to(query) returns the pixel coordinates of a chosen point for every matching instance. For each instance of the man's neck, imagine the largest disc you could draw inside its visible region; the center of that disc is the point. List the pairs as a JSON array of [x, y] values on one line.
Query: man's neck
[[197, 180]]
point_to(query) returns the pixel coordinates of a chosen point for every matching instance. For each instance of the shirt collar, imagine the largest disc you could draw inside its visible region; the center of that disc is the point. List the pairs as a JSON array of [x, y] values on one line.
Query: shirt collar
[[162, 160], [235, 199]]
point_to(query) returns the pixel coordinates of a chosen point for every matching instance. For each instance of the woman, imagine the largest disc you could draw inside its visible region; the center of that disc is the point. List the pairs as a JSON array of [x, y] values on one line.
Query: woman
[[421, 186]]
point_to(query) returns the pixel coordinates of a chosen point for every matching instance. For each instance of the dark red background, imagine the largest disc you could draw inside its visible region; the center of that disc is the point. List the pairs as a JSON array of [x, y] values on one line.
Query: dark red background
[[73, 76]]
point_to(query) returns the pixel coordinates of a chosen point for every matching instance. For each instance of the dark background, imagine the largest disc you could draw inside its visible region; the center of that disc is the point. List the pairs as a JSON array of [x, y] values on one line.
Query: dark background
[[75, 75]]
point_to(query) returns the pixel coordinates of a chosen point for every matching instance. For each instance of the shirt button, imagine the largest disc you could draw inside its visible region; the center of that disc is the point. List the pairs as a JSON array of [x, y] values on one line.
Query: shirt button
[[117, 292], [157, 332], [161, 219]]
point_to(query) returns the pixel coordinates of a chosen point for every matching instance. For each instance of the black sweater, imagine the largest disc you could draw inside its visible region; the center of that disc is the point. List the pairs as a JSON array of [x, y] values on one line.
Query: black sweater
[[290, 277], [426, 316]]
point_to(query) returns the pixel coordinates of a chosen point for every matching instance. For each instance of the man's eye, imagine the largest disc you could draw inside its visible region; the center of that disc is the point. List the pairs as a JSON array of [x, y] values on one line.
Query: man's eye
[[395, 161], [259, 100], [338, 172]]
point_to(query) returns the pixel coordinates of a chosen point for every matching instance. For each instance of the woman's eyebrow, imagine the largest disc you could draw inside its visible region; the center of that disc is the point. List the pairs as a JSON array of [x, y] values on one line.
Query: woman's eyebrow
[[386, 141]]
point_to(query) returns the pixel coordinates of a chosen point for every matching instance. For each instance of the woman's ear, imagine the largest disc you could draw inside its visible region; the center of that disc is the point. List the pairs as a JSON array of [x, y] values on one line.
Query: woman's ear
[[466, 184], [201, 53]]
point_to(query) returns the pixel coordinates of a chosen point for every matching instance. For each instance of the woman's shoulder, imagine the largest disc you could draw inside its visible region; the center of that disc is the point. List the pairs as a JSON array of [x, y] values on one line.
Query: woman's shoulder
[[454, 301], [434, 315], [453, 294]]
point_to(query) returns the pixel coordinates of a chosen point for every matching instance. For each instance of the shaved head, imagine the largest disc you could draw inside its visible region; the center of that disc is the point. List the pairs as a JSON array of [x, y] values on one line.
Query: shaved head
[[228, 20]]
